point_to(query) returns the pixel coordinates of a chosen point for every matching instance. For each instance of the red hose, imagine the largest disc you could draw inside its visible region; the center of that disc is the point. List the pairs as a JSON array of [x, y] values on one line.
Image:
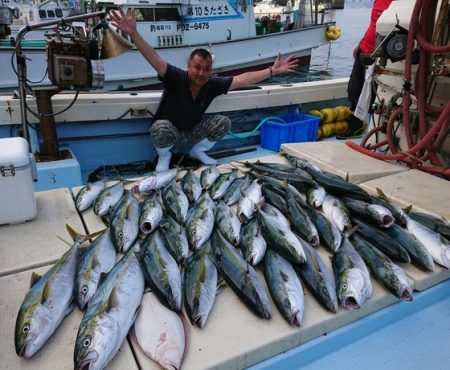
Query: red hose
[[429, 140]]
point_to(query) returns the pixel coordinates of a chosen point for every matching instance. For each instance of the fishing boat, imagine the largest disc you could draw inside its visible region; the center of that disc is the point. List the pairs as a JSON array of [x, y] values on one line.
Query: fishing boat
[[227, 28], [107, 133]]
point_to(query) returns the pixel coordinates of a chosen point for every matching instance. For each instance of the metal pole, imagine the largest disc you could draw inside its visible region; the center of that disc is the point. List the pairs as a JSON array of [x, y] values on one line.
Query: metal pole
[[21, 60]]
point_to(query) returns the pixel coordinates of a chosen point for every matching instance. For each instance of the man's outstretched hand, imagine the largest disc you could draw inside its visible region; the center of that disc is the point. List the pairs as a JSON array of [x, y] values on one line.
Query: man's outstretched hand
[[287, 65], [125, 23]]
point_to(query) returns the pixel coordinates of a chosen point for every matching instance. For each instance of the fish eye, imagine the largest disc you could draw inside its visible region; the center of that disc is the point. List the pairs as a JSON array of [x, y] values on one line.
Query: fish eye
[[84, 289], [325, 290], [194, 232], [344, 286], [26, 328], [87, 341], [120, 234], [395, 279]]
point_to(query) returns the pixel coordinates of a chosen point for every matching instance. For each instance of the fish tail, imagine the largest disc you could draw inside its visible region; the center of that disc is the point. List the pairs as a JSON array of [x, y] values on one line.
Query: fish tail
[[76, 237]]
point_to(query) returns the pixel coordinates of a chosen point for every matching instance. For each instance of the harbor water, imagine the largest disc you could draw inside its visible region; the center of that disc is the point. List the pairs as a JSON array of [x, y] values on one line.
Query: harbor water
[[335, 60]]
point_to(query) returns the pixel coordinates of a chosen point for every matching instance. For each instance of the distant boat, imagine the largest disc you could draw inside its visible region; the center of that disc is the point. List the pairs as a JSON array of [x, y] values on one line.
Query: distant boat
[[175, 28]]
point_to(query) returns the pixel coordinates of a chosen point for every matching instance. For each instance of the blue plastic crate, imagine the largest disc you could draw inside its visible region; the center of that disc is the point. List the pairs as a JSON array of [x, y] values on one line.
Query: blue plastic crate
[[289, 128]]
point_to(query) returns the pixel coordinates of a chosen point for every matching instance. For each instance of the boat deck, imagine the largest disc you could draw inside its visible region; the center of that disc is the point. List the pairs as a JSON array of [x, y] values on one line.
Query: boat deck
[[384, 332]]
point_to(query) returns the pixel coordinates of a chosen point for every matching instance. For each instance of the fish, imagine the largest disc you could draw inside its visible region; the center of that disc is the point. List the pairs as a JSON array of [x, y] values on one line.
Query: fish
[[190, 183], [318, 278], [125, 222], [175, 237], [222, 183], [156, 181], [385, 271], [98, 259], [375, 214], [438, 246], [332, 183], [418, 253], [336, 211], [108, 198], [110, 314], [160, 333], [228, 223], [161, 271], [200, 285], [200, 221], [285, 287], [300, 220], [281, 238], [316, 195], [88, 194], [208, 176], [175, 202], [352, 277], [395, 210], [250, 200], [253, 245], [389, 246], [432, 222], [151, 215], [234, 192], [275, 212], [49, 300], [274, 199], [329, 234], [298, 177], [240, 275], [281, 186]]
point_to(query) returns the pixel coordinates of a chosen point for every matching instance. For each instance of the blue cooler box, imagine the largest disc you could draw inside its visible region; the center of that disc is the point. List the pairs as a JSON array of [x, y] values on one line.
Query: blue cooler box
[[289, 128]]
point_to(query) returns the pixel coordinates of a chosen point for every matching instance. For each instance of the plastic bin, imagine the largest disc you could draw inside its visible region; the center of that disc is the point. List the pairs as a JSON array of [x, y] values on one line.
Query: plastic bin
[[289, 128]]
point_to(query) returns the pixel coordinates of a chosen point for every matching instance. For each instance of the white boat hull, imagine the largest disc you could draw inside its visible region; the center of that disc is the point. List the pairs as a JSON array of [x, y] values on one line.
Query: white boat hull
[[130, 70]]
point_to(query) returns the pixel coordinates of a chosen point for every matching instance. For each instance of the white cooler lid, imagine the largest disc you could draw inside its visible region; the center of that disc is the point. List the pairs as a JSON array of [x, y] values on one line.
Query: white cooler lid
[[14, 150]]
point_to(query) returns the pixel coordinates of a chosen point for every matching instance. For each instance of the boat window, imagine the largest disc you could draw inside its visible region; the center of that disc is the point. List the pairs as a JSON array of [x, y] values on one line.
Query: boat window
[[51, 13], [58, 12], [42, 14], [144, 14], [167, 14]]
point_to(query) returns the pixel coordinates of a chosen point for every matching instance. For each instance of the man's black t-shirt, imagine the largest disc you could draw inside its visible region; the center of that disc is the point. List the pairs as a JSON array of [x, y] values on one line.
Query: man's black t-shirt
[[177, 104]]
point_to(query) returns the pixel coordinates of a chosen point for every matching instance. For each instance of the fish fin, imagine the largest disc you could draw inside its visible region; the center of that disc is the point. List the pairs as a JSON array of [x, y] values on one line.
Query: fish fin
[[73, 234], [381, 194], [221, 285], [79, 237], [105, 221], [46, 292], [284, 276], [350, 231], [34, 278], [113, 300], [204, 214], [408, 209]]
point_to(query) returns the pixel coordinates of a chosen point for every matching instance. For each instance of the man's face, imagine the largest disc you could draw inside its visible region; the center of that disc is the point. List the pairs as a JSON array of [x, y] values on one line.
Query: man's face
[[199, 70]]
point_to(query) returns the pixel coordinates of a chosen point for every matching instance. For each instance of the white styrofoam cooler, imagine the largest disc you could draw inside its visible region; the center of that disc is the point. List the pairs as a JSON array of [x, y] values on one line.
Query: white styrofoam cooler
[[17, 168]]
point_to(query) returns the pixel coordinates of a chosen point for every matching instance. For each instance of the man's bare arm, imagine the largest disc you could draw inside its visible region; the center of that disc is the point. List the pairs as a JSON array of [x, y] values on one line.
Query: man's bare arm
[[246, 79]]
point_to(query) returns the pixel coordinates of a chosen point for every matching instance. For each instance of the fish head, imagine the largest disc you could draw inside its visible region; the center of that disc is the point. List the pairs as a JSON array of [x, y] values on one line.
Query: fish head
[[119, 234], [81, 200], [85, 291], [399, 282], [351, 289], [145, 186], [95, 343], [33, 328], [328, 294]]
